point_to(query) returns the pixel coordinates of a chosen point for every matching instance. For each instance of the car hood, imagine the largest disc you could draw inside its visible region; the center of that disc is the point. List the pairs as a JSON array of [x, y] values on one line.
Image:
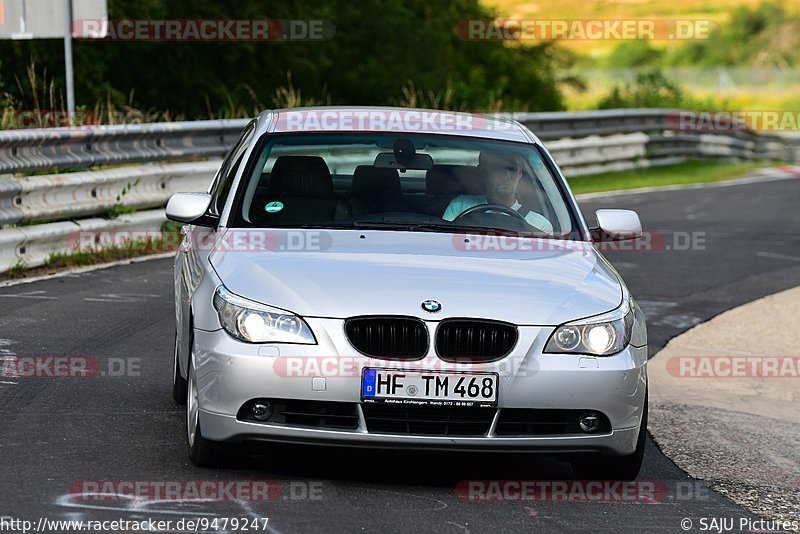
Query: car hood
[[349, 273]]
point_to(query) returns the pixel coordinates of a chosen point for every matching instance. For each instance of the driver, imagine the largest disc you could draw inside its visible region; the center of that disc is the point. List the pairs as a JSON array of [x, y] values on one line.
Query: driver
[[501, 174]]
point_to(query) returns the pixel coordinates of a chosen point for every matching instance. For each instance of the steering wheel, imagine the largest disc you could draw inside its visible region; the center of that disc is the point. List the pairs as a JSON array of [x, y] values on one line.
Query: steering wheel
[[488, 208]]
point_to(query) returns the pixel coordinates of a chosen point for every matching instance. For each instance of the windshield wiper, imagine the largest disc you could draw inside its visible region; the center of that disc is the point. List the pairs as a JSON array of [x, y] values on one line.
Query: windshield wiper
[[318, 226], [458, 229], [384, 225], [432, 227]]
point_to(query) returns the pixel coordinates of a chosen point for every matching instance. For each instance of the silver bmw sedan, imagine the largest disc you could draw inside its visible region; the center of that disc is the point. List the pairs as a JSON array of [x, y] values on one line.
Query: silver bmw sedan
[[387, 277]]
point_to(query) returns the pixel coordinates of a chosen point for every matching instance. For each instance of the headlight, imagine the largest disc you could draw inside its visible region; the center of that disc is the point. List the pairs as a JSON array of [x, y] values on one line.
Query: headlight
[[257, 323], [602, 335]]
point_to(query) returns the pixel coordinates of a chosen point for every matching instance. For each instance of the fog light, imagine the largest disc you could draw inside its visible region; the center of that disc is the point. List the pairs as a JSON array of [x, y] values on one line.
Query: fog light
[[589, 422], [262, 410]]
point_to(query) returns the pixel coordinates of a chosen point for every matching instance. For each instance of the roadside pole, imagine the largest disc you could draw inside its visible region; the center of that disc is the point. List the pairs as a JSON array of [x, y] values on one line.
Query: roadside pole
[[68, 60]]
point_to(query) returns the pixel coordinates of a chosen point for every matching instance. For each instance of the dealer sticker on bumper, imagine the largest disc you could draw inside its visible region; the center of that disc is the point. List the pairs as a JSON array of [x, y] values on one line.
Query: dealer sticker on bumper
[[433, 388]]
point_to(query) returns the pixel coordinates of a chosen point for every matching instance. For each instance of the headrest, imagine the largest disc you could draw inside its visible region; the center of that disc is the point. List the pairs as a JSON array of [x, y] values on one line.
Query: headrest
[[301, 176], [445, 180], [375, 181]]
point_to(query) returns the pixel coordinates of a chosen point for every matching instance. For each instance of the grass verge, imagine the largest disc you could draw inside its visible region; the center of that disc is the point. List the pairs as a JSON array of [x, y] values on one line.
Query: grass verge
[[690, 172], [58, 262]]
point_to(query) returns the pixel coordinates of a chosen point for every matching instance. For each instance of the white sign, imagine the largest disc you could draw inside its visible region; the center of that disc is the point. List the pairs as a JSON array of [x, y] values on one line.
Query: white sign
[[44, 19]]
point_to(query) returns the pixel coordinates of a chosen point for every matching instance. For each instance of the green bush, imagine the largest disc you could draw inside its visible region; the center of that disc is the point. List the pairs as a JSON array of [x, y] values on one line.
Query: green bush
[[766, 36], [630, 54], [650, 89]]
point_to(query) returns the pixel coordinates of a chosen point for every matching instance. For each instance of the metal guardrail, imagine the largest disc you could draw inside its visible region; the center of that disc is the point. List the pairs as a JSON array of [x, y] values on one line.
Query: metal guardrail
[[61, 148], [66, 196], [25, 151], [85, 147], [581, 142], [34, 245], [560, 124]]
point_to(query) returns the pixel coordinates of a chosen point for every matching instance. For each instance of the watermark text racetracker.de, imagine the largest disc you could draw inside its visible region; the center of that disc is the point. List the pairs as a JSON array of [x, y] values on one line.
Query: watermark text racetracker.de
[[263, 30], [25, 119], [398, 120], [201, 240], [764, 120], [344, 366], [585, 29], [583, 491], [125, 491], [73, 367], [734, 366], [650, 241]]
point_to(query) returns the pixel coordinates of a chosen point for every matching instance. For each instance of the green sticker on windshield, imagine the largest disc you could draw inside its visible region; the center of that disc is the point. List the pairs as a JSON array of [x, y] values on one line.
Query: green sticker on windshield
[[274, 207]]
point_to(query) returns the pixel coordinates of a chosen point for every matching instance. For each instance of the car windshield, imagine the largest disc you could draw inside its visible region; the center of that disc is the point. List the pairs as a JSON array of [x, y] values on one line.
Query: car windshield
[[402, 182]]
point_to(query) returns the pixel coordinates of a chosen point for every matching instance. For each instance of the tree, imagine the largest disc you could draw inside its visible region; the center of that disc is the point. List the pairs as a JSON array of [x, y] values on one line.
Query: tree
[[379, 46]]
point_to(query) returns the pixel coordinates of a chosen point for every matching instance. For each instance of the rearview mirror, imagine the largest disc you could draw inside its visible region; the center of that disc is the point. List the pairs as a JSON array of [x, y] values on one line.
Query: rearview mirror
[[619, 224], [187, 207], [387, 160]]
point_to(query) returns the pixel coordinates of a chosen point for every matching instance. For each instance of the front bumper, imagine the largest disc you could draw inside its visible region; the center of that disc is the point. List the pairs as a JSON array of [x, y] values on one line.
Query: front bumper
[[231, 373]]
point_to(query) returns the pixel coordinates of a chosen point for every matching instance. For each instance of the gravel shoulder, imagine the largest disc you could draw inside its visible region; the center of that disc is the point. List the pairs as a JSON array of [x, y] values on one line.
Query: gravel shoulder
[[725, 404]]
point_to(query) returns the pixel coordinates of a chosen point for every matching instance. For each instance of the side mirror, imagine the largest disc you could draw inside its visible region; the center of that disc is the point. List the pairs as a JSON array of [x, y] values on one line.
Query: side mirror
[[619, 224], [187, 207]]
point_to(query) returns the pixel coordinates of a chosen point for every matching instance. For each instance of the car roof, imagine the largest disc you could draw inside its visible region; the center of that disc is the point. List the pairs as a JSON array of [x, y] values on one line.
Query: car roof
[[391, 119]]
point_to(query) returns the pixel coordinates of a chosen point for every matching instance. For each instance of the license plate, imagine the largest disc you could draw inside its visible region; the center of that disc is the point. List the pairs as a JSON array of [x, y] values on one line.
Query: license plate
[[429, 388]]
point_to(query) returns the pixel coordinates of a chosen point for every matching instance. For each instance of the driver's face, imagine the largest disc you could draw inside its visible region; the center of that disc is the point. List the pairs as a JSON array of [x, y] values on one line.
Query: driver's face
[[502, 174]]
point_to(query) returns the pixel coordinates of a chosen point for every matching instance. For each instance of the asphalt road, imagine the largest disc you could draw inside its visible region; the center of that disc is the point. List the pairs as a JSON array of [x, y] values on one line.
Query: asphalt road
[[55, 433]]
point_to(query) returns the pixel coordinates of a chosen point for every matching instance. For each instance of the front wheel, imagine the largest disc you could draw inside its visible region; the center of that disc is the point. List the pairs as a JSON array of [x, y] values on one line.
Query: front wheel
[[598, 467], [202, 452]]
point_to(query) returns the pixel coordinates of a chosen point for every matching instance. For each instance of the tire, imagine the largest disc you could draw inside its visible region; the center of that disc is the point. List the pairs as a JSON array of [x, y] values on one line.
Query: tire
[[202, 452], [599, 467], [178, 382]]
